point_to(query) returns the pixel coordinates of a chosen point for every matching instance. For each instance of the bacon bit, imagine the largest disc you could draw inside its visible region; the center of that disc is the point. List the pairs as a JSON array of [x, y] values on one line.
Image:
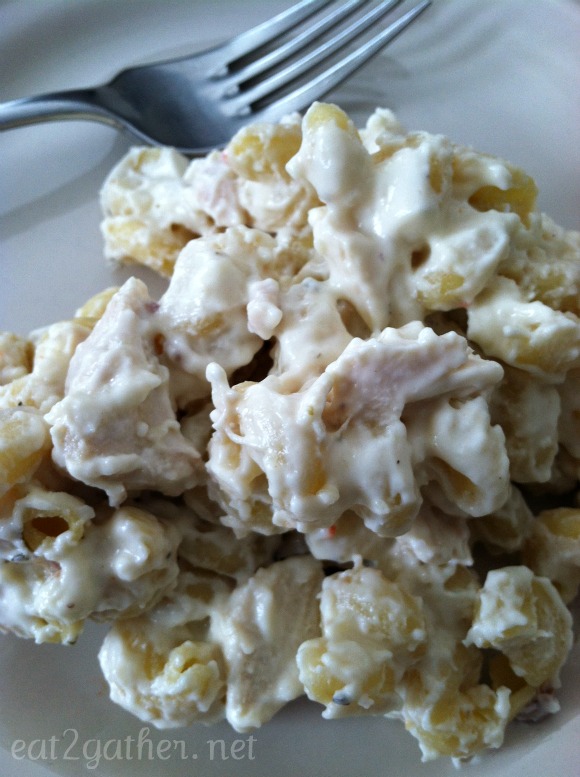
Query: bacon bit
[[331, 531], [151, 306]]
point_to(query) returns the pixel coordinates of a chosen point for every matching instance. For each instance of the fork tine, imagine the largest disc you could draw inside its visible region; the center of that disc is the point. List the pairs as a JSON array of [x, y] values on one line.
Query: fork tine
[[267, 31], [336, 74], [295, 44], [315, 56]]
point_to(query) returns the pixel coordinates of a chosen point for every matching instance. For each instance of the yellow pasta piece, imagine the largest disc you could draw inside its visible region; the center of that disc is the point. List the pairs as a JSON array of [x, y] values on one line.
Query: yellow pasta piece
[[519, 197], [163, 666], [523, 616], [543, 261], [209, 545], [528, 411], [136, 230], [139, 552], [53, 350], [347, 678], [506, 529], [24, 442], [449, 271], [261, 151], [132, 242], [553, 549], [15, 357], [71, 564], [372, 631], [502, 676], [465, 473], [320, 114], [94, 307], [363, 602], [528, 335], [195, 664], [216, 548], [459, 724], [48, 519], [19, 613], [271, 199], [446, 707]]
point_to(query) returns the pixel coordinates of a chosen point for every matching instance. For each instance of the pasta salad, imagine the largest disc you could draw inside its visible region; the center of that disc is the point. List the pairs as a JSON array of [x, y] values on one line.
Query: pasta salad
[[339, 456]]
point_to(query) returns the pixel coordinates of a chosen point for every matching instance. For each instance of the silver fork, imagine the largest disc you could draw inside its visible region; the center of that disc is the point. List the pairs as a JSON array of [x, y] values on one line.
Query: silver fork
[[197, 103]]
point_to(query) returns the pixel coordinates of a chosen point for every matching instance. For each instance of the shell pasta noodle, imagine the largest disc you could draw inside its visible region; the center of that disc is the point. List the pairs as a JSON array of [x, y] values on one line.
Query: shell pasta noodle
[[337, 458]]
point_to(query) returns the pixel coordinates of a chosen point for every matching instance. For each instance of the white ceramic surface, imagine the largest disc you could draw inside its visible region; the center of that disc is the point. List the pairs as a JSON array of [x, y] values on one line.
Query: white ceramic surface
[[500, 75]]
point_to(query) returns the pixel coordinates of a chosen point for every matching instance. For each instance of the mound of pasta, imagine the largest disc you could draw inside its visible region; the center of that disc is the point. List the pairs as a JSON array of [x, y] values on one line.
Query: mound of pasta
[[357, 402]]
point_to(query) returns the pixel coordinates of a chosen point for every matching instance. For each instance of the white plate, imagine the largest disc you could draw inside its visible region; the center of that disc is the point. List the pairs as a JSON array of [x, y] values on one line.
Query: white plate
[[500, 75]]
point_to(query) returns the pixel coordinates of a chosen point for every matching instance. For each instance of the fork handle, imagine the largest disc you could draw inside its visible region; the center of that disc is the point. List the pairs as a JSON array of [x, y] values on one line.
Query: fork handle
[[72, 104]]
